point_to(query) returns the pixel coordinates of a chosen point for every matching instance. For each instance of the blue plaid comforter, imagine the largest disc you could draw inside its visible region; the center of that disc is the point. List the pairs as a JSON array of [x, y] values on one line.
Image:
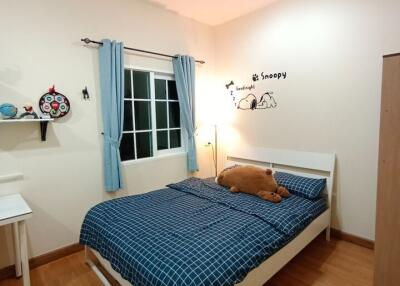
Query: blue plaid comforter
[[193, 233]]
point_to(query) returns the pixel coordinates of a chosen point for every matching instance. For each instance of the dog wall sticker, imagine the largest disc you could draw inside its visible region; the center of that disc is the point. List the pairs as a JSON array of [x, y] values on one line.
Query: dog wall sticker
[[251, 102]]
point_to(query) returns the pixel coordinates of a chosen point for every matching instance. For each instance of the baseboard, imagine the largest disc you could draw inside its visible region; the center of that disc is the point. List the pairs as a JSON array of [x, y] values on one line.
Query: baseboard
[[9, 271], [338, 234]]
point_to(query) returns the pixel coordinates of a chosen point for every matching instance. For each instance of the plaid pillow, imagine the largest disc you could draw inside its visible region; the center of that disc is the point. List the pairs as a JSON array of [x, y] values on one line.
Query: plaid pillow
[[308, 188]]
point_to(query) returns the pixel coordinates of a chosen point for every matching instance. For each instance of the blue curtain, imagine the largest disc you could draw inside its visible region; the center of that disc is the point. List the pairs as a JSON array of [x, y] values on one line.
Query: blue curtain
[[112, 88], [184, 69]]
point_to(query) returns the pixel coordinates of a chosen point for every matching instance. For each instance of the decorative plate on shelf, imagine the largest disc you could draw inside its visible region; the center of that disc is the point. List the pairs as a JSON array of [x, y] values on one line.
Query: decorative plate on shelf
[[54, 104]]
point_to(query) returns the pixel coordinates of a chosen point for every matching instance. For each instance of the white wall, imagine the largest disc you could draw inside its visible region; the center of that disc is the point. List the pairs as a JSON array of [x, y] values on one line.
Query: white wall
[[40, 46], [391, 40], [330, 101]]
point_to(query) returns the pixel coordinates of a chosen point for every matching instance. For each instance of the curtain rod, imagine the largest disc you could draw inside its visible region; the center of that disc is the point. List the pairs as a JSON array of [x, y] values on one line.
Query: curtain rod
[[88, 41]]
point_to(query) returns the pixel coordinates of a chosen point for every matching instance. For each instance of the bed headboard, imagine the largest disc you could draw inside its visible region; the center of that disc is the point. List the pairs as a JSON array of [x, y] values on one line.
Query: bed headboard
[[308, 164]]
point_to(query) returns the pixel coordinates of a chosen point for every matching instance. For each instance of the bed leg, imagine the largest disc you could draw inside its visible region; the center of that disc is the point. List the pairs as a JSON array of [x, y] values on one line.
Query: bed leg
[[95, 269], [328, 233]]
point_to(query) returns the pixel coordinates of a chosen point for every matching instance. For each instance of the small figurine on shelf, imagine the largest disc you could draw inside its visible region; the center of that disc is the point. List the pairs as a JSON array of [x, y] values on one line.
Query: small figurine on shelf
[[29, 112], [8, 110]]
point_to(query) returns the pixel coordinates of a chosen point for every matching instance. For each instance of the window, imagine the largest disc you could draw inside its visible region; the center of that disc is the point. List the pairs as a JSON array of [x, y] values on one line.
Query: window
[[152, 124]]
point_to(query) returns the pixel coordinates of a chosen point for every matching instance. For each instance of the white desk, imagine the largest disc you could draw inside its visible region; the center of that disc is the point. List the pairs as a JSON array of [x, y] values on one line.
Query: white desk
[[14, 210]]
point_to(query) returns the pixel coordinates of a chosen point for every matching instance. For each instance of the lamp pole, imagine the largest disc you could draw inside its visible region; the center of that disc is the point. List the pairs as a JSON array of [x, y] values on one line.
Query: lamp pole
[[216, 149]]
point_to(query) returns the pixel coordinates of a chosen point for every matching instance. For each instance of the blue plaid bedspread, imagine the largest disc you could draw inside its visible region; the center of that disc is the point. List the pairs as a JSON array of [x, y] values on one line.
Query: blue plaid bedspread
[[193, 233]]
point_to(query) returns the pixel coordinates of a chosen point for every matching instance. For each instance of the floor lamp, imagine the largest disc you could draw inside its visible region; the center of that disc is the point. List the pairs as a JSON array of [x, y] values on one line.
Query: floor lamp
[[215, 149]]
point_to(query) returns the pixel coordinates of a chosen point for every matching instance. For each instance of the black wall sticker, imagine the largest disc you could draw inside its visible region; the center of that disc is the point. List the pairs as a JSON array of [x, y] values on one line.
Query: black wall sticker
[[265, 76], [245, 87], [251, 102], [229, 84]]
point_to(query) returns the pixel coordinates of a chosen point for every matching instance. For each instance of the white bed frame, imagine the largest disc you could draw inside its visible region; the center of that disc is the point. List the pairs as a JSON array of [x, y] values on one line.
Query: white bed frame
[[314, 165]]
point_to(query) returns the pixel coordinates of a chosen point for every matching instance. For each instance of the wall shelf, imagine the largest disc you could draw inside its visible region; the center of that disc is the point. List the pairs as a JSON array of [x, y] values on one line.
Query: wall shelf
[[11, 177], [42, 122]]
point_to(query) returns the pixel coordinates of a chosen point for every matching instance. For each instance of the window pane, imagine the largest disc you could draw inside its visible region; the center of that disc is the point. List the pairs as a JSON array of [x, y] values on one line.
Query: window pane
[[162, 140], [144, 145], [172, 93], [128, 119], [160, 89], [174, 115], [142, 115], [128, 86], [127, 147], [161, 114], [141, 85], [175, 138]]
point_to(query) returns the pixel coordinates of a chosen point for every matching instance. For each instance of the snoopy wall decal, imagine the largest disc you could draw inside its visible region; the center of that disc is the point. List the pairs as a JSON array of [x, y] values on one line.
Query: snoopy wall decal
[[246, 97], [251, 102]]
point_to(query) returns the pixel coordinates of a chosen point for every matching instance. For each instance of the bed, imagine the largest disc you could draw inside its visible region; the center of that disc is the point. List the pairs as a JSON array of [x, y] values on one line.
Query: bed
[[198, 233]]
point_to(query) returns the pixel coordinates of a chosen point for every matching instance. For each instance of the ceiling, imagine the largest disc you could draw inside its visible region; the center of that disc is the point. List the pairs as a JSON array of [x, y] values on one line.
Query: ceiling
[[212, 12]]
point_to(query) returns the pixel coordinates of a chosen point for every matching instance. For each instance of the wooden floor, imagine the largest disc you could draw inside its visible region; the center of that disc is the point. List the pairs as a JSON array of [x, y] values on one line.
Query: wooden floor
[[337, 263]]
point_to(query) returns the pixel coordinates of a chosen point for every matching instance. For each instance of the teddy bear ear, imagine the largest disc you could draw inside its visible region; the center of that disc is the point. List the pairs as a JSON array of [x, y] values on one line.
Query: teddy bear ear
[[268, 171]]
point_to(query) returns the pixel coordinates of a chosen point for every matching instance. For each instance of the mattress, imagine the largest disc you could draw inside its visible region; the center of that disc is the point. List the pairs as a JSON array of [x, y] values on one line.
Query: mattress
[[194, 232]]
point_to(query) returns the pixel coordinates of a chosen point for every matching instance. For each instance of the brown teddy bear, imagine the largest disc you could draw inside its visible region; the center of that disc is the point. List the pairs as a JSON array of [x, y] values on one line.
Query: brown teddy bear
[[254, 181]]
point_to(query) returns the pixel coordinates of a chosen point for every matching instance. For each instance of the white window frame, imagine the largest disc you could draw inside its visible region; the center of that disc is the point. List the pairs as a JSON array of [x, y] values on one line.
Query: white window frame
[[155, 74]]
